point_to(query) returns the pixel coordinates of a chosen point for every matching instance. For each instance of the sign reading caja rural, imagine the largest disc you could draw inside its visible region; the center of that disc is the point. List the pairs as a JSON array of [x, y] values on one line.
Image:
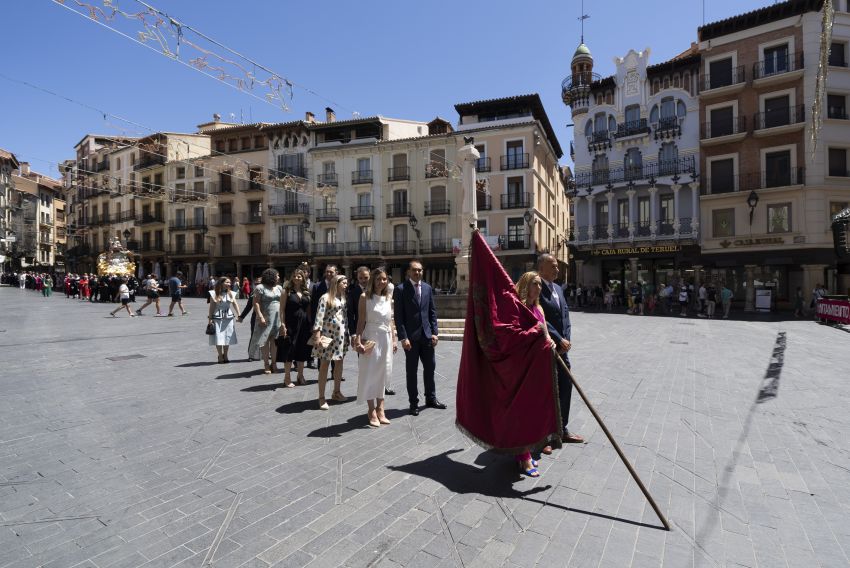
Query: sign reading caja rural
[[631, 251]]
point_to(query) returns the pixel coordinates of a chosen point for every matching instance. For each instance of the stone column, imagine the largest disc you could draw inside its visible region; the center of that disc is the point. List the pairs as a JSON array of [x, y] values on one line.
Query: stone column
[[676, 187], [812, 276], [591, 217], [632, 213], [750, 297], [633, 267], [694, 209], [611, 214], [697, 278], [653, 211], [467, 157], [168, 273], [239, 270], [579, 267]]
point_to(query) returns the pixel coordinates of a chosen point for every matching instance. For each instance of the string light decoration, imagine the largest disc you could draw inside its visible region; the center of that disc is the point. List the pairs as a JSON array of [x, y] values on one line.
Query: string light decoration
[[827, 19]]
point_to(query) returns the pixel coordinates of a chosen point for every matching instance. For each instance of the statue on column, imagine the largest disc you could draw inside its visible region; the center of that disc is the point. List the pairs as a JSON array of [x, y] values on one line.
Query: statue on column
[[467, 157]]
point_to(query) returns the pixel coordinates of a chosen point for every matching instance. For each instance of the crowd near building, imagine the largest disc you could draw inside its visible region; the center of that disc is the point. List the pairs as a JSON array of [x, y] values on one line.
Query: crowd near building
[[704, 168]]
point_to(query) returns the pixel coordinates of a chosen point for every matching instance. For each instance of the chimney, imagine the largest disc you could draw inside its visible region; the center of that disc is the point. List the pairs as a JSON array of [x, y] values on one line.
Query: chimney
[[330, 115], [216, 117], [24, 168], [309, 117]]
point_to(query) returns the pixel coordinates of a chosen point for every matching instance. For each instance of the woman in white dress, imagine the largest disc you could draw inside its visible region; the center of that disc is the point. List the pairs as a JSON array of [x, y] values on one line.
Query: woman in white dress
[[376, 343], [223, 312]]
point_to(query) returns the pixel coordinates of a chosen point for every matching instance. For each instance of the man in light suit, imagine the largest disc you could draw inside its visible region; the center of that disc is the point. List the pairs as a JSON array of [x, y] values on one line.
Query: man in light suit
[[416, 325], [557, 313]]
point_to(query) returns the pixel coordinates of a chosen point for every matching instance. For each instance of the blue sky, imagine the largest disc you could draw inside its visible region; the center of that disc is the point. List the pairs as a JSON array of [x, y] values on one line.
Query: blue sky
[[403, 59]]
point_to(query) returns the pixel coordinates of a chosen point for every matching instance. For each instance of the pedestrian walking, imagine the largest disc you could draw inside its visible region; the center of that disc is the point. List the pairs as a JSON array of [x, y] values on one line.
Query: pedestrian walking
[[267, 306], [152, 290], [726, 300], [124, 296], [175, 288], [329, 337], [416, 326], [318, 290], [47, 284], [249, 308], [375, 341], [702, 295], [246, 287], [222, 314], [683, 301]]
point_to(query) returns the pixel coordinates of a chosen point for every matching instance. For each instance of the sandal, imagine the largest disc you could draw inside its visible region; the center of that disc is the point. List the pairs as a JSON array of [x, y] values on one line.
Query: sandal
[[533, 472], [339, 397]]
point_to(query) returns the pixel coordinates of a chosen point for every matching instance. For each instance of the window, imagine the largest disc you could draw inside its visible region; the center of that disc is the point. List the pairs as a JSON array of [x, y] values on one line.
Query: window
[[231, 145], [400, 235], [245, 143], [600, 122], [668, 159], [836, 54], [516, 233], [775, 60], [721, 122], [643, 210], [180, 243], [117, 163], [438, 195], [515, 191], [438, 233], [681, 109], [653, 114], [612, 123], [364, 200], [722, 178], [602, 213], [400, 160], [777, 168], [364, 234], [199, 216], [720, 73], [330, 236], [776, 111], [157, 181], [623, 216], [588, 129], [292, 164], [198, 188], [255, 210], [364, 165], [259, 141], [226, 245], [668, 108], [838, 162], [255, 244], [779, 218], [219, 146], [723, 223], [836, 106], [632, 114], [199, 171], [665, 202], [181, 172], [328, 168], [482, 227], [633, 164]]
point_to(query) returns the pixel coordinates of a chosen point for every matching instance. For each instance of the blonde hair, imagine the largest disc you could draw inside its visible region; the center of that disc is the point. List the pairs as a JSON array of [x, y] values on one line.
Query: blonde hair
[[524, 284], [332, 290]]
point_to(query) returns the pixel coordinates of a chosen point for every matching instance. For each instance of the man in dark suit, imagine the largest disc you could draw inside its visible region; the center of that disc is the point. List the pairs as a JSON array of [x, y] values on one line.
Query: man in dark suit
[[319, 289], [557, 313], [416, 325]]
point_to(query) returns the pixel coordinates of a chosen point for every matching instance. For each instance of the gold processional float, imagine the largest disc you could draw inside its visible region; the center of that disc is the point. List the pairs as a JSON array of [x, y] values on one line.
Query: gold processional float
[[116, 261]]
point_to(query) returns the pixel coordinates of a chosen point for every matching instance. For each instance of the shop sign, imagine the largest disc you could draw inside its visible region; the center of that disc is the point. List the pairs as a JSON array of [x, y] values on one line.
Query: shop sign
[[752, 242], [632, 251], [834, 310]]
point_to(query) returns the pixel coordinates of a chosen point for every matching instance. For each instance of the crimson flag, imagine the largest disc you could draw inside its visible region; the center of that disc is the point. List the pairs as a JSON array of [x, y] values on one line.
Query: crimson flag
[[507, 387]]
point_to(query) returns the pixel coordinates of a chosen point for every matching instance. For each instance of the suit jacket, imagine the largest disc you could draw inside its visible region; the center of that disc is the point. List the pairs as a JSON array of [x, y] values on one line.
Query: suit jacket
[[557, 318], [414, 320], [353, 299], [318, 290]]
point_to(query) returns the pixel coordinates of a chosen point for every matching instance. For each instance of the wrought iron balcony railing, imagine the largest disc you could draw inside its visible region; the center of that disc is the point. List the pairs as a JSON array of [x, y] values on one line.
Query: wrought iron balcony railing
[[513, 162], [778, 65], [327, 214], [721, 79], [438, 207], [400, 173], [515, 200]]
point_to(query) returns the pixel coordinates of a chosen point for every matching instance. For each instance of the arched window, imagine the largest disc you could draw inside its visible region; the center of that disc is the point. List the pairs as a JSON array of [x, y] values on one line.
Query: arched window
[[656, 86], [612, 124], [668, 159], [676, 80], [588, 128], [117, 163], [653, 114], [600, 169], [686, 81], [681, 110], [598, 99], [609, 98], [633, 164], [668, 108], [666, 82]]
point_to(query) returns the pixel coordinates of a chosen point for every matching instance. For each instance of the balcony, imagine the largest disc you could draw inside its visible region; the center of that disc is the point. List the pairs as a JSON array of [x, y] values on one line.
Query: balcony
[[436, 169], [621, 231], [363, 248], [437, 246], [600, 232], [482, 165], [777, 69], [327, 249], [46, 241], [779, 121], [722, 83], [755, 180], [282, 209], [398, 174], [246, 186], [643, 228], [291, 247], [664, 228], [46, 222], [251, 218], [723, 131], [836, 113], [400, 248], [513, 162], [125, 216], [219, 187], [187, 224], [483, 202], [515, 200], [147, 246], [148, 162], [148, 218], [328, 179], [668, 127], [328, 214], [438, 207], [361, 177], [101, 166], [289, 171], [362, 212], [514, 242], [222, 220], [645, 171], [685, 226], [632, 128], [189, 250], [395, 210], [575, 90], [600, 140]]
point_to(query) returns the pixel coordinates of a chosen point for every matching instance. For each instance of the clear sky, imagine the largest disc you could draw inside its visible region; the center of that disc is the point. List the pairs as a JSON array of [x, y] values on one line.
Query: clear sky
[[401, 59]]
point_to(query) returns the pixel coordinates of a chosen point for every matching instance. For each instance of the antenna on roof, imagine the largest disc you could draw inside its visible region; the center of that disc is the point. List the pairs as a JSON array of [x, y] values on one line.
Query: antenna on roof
[[582, 18]]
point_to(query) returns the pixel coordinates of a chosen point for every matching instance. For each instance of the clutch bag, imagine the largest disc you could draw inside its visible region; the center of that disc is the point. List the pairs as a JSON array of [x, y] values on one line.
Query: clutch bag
[[368, 347]]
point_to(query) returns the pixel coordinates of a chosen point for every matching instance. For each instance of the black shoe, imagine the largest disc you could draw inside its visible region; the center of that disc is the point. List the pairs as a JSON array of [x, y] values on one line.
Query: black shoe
[[414, 410], [389, 392], [435, 404]]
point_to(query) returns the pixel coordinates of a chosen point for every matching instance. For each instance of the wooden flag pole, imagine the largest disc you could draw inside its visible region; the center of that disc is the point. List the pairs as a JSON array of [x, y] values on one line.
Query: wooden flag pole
[[614, 443]]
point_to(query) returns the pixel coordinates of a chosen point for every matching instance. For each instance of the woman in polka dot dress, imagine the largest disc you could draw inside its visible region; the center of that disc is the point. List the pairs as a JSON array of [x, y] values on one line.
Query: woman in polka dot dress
[[331, 322]]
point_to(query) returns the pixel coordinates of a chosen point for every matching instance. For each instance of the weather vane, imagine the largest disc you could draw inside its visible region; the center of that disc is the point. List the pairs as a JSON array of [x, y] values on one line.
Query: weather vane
[[582, 18]]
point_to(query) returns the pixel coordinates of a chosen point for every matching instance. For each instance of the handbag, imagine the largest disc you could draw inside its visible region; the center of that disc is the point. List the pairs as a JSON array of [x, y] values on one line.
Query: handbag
[[324, 342], [368, 347], [210, 328]]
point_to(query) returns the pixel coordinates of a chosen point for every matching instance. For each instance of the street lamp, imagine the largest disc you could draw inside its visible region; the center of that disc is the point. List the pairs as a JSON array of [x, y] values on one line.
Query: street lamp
[[127, 235], [305, 225], [752, 201], [530, 220], [413, 221]]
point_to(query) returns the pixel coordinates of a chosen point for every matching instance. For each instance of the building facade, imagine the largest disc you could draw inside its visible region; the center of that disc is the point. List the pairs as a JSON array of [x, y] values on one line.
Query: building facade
[[768, 193], [636, 156], [38, 197], [8, 238]]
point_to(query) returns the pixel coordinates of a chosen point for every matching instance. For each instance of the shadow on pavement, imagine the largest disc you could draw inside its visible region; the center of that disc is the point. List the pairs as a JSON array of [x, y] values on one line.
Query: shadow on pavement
[[242, 375], [197, 364]]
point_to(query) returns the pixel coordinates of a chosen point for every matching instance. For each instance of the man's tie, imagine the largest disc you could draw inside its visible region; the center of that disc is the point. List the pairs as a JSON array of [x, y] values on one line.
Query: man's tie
[[418, 293], [555, 297]]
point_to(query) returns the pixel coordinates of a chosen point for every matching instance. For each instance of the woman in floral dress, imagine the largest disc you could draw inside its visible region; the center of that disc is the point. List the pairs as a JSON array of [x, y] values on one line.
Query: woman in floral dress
[[331, 323]]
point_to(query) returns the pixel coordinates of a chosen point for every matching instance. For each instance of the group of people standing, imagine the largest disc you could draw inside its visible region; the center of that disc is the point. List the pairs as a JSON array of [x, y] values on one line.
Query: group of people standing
[[296, 322]]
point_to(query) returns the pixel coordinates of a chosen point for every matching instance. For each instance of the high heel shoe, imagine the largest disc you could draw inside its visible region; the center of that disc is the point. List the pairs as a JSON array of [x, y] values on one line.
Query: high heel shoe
[[287, 382], [382, 418], [373, 421], [300, 381]]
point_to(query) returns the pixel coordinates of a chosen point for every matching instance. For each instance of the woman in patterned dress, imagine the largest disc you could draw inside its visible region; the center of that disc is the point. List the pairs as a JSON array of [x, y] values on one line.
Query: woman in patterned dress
[[267, 306], [222, 313], [331, 322]]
